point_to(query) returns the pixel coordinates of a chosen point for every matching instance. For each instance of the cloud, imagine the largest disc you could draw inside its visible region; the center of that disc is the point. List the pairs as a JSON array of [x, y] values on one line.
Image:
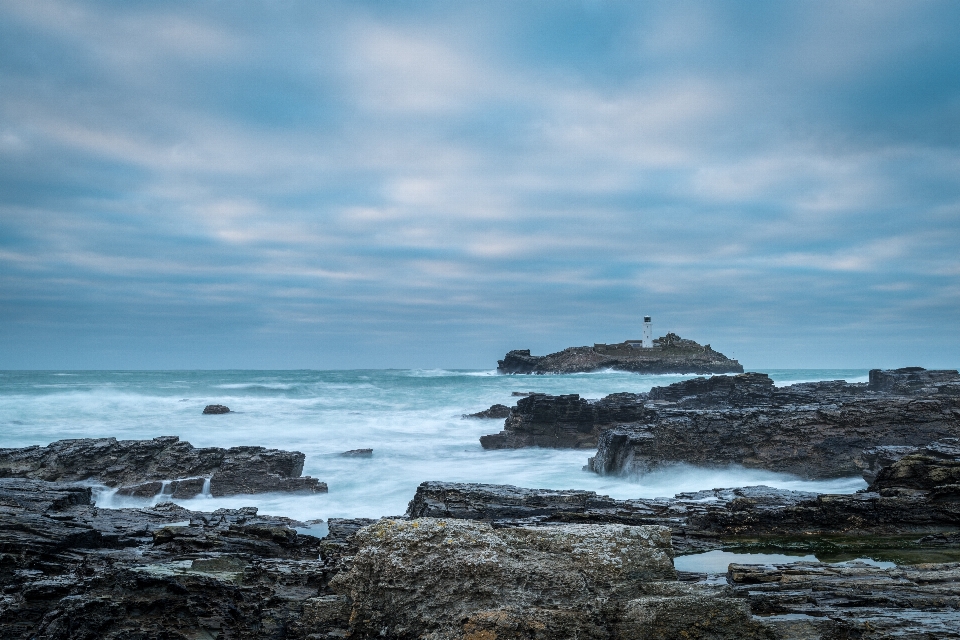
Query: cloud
[[315, 181]]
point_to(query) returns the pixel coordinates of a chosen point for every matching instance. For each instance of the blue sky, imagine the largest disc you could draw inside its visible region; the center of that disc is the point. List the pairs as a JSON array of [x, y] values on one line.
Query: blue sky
[[417, 184]]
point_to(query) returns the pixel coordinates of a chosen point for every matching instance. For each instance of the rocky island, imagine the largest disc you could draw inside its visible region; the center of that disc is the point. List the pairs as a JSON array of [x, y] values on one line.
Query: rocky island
[[668, 354]]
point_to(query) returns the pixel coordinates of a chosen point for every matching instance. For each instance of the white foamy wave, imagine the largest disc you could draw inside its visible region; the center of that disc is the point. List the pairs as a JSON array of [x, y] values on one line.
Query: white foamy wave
[[257, 385], [411, 419]]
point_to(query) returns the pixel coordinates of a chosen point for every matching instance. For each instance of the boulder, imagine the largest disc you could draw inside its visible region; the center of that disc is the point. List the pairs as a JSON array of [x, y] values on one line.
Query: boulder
[[458, 578], [214, 409]]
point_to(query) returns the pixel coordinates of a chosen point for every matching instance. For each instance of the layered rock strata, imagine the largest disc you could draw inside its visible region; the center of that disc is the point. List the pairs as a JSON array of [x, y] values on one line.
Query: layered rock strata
[[704, 519], [814, 430], [852, 600], [161, 466], [669, 354], [544, 565], [72, 571]]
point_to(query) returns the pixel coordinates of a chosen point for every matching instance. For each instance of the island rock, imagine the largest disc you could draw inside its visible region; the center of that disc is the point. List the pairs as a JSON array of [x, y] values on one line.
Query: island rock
[[669, 354]]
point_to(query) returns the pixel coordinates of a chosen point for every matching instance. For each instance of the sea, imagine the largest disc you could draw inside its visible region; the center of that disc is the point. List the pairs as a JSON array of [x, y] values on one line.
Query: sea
[[411, 418]]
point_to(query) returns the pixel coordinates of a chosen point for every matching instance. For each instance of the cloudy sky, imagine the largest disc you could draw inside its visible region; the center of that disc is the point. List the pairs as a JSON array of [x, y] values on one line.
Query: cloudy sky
[[418, 184]]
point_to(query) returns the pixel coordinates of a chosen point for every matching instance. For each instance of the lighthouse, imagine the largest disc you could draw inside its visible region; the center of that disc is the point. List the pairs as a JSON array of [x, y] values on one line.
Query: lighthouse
[[647, 332]]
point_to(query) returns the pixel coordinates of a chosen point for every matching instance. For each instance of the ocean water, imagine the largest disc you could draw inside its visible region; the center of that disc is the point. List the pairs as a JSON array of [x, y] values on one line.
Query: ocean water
[[410, 418]]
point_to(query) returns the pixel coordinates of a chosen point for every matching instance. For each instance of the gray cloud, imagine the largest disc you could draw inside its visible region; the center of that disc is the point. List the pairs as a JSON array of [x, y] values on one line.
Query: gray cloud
[[347, 185]]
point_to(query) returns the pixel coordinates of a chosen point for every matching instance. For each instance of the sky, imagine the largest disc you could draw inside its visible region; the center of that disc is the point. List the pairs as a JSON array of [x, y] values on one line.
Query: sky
[[326, 185]]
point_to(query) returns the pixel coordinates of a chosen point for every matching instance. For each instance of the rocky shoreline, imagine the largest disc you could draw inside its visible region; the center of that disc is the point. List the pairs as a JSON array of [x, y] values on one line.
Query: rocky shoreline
[[813, 430], [498, 562], [476, 562], [669, 354]]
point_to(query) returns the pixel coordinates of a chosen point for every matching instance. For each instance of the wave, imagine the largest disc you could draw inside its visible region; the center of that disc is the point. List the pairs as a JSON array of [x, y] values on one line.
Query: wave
[[279, 386]]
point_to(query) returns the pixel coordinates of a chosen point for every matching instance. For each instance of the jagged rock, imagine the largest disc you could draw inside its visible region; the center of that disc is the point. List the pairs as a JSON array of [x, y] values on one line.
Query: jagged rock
[[814, 430], [746, 389], [358, 453], [567, 421], [934, 467], [810, 441], [452, 578], [913, 380], [137, 467], [215, 409], [669, 354], [497, 411], [71, 570]]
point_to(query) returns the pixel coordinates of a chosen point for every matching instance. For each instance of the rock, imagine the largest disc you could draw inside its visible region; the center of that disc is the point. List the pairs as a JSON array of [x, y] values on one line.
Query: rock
[[139, 467], [744, 390], [463, 500], [669, 354], [215, 409], [814, 430], [71, 570], [852, 600], [358, 453], [700, 520], [495, 411], [453, 578], [811, 441], [914, 380], [566, 421], [548, 564], [934, 467]]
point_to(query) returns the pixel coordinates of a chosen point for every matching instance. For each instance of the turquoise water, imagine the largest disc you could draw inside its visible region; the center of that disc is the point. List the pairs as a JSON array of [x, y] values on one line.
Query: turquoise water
[[411, 418]]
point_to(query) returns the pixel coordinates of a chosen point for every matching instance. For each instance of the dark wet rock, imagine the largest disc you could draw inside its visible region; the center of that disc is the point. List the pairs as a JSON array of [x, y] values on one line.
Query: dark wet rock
[[465, 500], [915, 380], [810, 441], [814, 430], [71, 570], [214, 409], [522, 394], [744, 390], [852, 600], [547, 564], [139, 467], [497, 411], [566, 421], [358, 453], [932, 468], [669, 354], [700, 520]]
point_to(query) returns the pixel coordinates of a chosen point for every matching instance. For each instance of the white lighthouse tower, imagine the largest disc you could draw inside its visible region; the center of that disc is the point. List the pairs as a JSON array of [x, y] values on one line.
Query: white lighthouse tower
[[647, 332]]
